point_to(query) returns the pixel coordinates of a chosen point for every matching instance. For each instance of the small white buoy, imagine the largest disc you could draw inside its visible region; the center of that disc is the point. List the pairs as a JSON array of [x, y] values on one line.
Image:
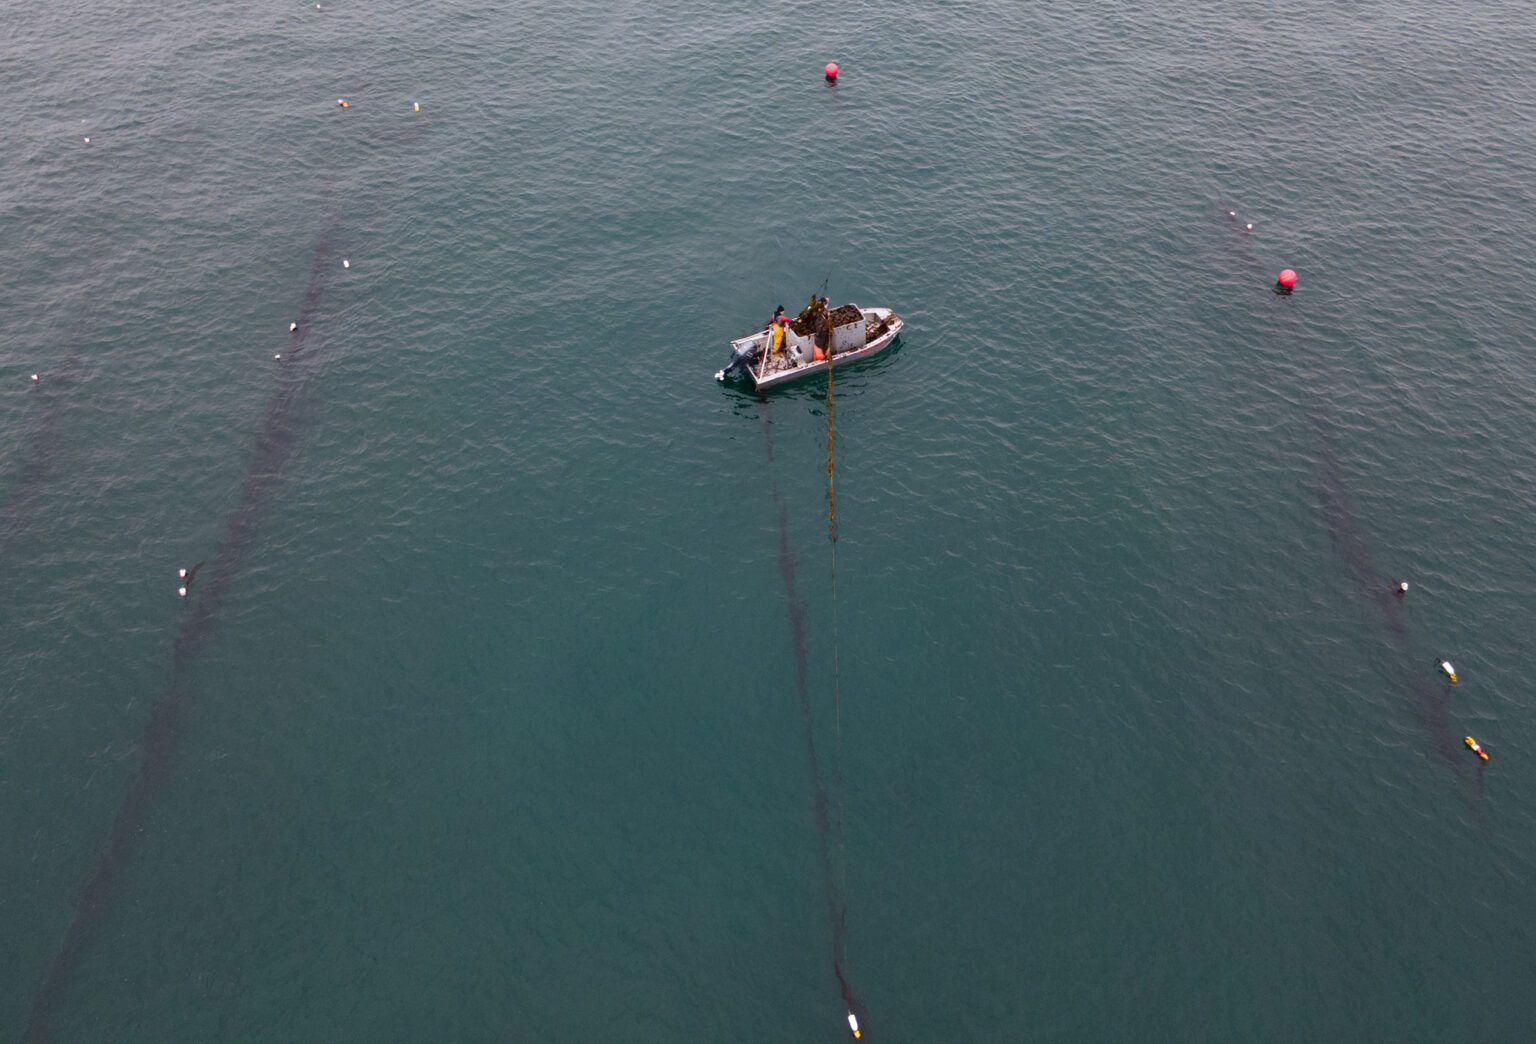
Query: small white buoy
[[1250, 226], [346, 264], [292, 327], [1402, 588], [87, 141], [182, 573], [279, 355], [182, 591], [35, 378], [1231, 213]]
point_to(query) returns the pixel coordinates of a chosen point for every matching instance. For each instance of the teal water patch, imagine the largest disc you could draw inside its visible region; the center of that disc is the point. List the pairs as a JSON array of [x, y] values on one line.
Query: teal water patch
[[497, 730]]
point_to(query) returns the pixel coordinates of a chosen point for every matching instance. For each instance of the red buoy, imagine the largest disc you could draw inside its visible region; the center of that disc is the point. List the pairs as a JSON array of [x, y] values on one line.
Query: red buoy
[[831, 70], [1287, 279]]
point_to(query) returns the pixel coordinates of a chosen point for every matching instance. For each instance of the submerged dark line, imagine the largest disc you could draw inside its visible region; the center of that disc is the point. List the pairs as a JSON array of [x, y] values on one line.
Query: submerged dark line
[[1433, 703], [837, 905], [1349, 537], [1349, 540], [1432, 699], [40, 449], [161, 733]]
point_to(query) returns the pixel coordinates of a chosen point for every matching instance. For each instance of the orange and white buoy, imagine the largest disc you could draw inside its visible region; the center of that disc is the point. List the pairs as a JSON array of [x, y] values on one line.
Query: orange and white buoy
[[853, 1025], [1450, 672], [1475, 748]]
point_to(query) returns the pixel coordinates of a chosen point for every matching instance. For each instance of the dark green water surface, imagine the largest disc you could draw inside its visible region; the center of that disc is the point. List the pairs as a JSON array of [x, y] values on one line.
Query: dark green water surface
[[481, 721]]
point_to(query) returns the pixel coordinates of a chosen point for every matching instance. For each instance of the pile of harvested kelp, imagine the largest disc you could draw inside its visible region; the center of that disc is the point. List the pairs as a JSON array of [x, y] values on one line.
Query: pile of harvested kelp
[[842, 315], [814, 318], [809, 319]]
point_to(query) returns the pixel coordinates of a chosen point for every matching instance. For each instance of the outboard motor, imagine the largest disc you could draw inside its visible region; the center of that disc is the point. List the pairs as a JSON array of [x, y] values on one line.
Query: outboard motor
[[742, 357]]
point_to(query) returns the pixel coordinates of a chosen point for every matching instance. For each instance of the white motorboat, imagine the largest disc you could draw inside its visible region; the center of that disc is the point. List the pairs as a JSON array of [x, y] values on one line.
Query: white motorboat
[[796, 348]]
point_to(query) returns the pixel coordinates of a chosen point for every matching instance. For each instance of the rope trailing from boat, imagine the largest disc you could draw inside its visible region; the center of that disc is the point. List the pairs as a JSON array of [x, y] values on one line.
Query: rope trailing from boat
[[837, 695], [831, 438], [829, 830], [841, 862]]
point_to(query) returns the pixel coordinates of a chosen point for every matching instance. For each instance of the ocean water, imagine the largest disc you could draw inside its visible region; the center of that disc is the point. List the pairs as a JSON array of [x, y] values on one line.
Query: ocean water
[[512, 701]]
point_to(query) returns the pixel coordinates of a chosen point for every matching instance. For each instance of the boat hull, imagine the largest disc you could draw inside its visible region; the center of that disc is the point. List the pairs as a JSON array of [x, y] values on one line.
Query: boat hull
[[809, 369]]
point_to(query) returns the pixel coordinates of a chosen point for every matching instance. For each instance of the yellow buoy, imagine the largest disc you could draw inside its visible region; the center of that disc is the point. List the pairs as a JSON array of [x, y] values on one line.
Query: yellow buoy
[[415, 106]]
